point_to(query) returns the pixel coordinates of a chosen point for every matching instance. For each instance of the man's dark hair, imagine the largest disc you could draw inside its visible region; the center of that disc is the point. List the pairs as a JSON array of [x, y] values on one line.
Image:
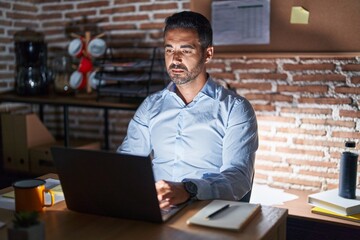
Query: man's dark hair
[[191, 20]]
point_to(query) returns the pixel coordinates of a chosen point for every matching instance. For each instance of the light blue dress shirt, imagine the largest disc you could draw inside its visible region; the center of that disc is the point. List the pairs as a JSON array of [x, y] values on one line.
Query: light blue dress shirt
[[211, 141]]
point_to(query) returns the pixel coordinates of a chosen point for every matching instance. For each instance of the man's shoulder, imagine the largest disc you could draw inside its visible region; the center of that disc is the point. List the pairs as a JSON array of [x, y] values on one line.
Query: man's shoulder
[[155, 97]]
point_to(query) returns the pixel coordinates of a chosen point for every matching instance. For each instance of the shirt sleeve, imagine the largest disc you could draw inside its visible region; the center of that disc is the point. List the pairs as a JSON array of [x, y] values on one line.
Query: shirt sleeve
[[239, 146], [137, 140]]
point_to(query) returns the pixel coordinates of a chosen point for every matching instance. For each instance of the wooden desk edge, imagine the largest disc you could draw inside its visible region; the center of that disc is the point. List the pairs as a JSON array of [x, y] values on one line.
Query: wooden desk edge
[[278, 225], [300, 209]]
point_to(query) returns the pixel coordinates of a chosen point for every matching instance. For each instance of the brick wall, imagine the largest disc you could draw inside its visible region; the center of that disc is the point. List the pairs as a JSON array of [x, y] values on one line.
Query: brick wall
[[306, 106]]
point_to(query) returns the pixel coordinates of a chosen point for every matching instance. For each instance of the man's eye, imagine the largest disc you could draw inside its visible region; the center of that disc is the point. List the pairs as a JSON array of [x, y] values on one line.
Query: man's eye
[[167, 50], [186, 51]]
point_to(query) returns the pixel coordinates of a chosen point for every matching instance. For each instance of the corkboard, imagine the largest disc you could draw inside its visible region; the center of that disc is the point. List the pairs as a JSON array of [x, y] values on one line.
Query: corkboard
[[334, 26]]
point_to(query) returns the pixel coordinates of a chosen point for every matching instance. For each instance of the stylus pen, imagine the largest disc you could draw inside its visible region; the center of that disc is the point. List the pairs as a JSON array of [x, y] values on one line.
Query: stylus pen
[[218, 211]]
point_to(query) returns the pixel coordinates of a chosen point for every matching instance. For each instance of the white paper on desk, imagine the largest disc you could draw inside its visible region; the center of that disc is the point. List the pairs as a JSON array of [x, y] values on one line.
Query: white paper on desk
[[268, 196], [9, 202], [241, 22]]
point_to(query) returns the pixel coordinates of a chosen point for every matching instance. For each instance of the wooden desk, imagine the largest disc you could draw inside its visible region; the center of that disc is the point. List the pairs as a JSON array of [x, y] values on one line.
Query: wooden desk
[[80, 100], [303, 225], [62, 224]]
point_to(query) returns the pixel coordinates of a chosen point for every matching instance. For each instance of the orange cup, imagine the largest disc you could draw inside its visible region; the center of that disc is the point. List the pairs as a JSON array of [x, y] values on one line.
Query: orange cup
[[30, 195]]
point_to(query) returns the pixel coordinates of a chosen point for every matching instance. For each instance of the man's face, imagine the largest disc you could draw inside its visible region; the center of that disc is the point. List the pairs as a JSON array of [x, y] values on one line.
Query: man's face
[[184, 58]]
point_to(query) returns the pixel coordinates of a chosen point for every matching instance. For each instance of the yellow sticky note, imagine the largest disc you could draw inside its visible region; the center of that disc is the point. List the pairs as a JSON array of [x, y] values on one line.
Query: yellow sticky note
[[299, 15]]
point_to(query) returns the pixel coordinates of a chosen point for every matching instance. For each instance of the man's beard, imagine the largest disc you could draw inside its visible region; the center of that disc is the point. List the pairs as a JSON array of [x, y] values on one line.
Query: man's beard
[[186, 76]]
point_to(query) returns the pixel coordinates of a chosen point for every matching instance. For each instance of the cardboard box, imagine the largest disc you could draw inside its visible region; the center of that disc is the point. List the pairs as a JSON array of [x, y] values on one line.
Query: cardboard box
[[20, 132], [41, 161]]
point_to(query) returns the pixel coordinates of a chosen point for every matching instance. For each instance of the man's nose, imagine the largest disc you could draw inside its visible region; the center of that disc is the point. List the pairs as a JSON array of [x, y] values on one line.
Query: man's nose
[[177, 57]]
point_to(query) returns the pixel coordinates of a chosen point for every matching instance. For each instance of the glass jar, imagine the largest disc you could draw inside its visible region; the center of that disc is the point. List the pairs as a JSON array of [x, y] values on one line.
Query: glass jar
[[62, 69], [31, 73]]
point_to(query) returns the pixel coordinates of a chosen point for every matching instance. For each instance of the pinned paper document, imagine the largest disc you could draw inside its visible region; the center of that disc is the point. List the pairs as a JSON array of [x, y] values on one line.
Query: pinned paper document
[[299, 15]]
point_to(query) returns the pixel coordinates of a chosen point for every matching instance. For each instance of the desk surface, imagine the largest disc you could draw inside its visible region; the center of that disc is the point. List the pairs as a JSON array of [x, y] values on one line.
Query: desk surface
[[80, 100], [61, 223], [299, 208]]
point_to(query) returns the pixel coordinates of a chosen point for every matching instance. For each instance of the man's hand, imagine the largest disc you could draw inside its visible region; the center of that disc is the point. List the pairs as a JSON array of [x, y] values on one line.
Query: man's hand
[[171, 193]]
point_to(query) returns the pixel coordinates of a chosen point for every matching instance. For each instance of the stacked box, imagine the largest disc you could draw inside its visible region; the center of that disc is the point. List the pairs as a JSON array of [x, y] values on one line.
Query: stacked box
[[20, 132], [41, 161]]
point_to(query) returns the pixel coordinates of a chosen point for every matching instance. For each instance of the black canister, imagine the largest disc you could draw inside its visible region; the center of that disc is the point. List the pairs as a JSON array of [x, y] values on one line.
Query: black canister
[[31, 75], [348, 171]]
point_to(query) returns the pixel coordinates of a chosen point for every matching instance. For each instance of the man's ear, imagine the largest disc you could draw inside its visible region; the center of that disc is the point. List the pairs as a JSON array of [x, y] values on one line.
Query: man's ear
[[209, 54]]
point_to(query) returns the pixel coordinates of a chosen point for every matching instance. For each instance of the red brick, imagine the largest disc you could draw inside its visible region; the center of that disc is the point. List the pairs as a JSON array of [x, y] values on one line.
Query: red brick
[[329, 122], [5, 5], [58, 23], [159, 6], [350, 135], [119, 27], [347, 90], [276, 119], [306, 110], [57, 7], [320, 77], [329, 58], [223, 75], [5, 23], [302, 162], [134, 17], [351, 67], [307, 89], [251, 86], [266, 108], [296, 181], [273, 168], [6, 75], [93, 4], [27, 24], [349, 113], [355, 80], [152, 26], [267, 157], [263, 147], [24, 8], [6, 57], [259, 176], [291, 150], [163, 16], [330, 101], [318, 174], [264, 128], [272, 139], [216, 65], [319, 143], [261, 76], [21, 16], [302, 131], [53, 32], [312, 66], [80, 14], [114, 10], [119, 2], [269, 97], [267, 66]]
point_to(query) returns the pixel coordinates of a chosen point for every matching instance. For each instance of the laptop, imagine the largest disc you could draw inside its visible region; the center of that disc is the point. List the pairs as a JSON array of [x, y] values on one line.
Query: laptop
[[109, 184]]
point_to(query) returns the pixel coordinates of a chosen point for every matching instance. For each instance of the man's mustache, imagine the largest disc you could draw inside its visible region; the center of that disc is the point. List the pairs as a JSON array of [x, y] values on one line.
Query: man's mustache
[[177, 66]]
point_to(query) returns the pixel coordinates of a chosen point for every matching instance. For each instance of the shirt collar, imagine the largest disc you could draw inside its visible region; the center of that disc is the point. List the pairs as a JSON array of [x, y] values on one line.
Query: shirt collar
[[209, 89]]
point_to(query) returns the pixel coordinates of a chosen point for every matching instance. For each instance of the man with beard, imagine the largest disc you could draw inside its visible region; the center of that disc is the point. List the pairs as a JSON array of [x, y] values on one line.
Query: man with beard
[[203, 137]]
